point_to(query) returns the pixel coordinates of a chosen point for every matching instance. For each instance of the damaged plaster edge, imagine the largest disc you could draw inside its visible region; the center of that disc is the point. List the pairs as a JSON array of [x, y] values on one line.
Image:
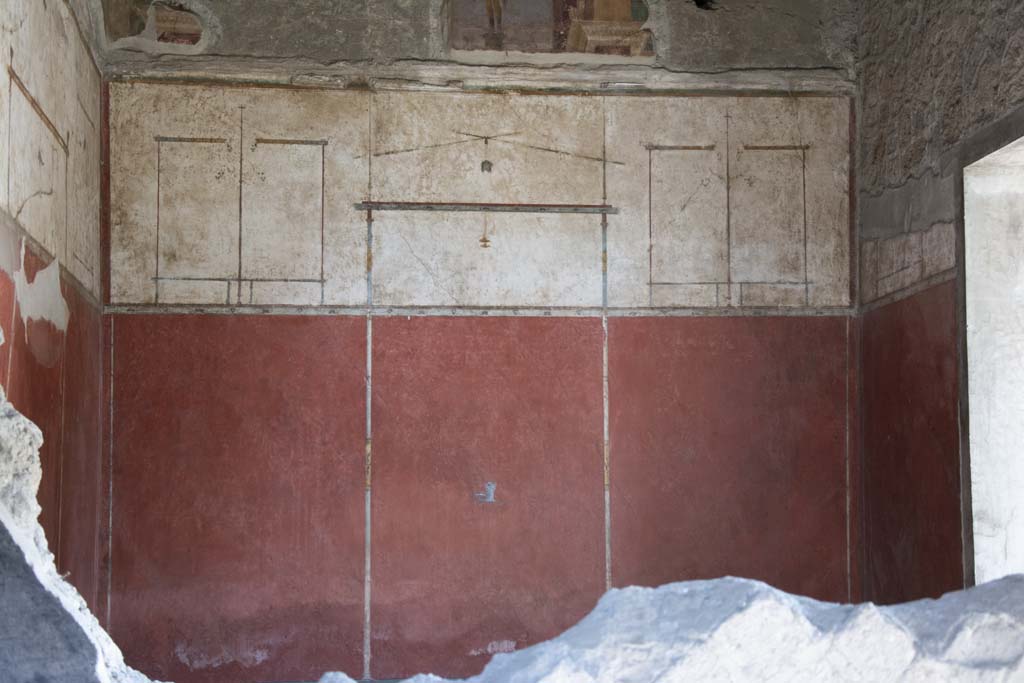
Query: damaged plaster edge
[[42, 298], [147, 42], [20, 476], [451, 77]]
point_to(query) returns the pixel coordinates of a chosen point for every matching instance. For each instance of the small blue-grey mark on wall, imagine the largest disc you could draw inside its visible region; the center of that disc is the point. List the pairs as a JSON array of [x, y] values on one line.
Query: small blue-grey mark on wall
[[487, 495]]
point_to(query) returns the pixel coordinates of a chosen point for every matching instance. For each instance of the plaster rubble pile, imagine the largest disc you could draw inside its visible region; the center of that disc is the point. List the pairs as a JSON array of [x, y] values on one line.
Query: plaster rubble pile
[[734, 629]]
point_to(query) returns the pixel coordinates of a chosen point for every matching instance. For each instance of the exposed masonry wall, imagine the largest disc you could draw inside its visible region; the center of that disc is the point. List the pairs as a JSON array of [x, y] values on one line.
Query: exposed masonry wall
[[740, 34], [931, 74]]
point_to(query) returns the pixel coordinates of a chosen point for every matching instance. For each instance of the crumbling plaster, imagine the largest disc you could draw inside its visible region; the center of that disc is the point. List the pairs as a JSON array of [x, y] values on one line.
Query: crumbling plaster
[[931, 73], [322, 39]]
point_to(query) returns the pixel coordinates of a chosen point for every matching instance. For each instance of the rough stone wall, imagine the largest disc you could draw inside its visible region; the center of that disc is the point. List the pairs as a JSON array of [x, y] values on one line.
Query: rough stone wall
[[931, 74], [736, 35]]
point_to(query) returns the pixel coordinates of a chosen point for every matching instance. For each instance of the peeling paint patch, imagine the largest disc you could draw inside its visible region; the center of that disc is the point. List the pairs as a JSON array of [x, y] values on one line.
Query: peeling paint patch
[[41, 299], [494, 647], [198, 659]]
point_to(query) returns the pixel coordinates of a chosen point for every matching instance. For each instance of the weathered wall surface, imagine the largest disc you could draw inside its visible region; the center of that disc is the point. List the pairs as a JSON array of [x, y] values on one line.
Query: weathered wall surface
[[737, 35], [50, 267], [483, 352], [482, 468], [931, 74], [247, 197], [913, 526]]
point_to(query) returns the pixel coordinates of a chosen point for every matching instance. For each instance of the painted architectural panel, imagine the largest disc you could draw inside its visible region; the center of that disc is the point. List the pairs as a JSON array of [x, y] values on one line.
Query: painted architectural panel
[[50, 135], [480, 259], [278, 173], [488, 525], [913, 524], [238, 589], [731, 202], [729, 451], [744, 202]]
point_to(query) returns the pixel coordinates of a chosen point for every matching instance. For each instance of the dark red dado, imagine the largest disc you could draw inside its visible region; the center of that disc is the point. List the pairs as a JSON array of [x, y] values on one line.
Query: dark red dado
[[729, 451], [912, 448], [7, 311], [488, 527], [35, 387], [82, 477], [52, 377], [237, 548]]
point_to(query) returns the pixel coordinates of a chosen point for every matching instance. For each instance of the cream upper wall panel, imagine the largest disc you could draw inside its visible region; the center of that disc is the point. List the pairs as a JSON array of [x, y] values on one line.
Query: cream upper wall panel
[[82, 248], [7, 28], [306, 166], [50, 139], [432, 147], [729, 201], [477, 259], [721, 201], [672, 150], [235, 195]]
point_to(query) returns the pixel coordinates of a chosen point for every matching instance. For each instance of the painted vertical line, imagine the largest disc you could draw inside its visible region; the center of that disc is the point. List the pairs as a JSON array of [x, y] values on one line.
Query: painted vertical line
[[110, 481], [605, 451], [650, 227], [849, 550], [14, 316], [241, 140], [607, 460], [803, 181], [323, 192], [63, 445], [156, 280], [10, 123], [368, 457], [67, 258], [368, 463], [728, 206]]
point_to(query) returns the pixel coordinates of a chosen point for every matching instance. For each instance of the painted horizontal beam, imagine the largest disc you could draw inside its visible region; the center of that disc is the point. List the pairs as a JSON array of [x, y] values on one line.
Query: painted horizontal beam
[[484, 207], [383, 311]]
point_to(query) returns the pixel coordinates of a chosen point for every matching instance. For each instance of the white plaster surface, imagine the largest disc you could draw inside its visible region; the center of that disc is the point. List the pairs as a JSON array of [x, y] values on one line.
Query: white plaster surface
[[740, 630], [20, 474], [994, 252], [716, 196], [742, 201], [249, 193], [50, 134]]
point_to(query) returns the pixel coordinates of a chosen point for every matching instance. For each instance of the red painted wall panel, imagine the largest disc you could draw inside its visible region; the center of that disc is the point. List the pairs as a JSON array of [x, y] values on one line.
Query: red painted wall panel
[[911, 446], [458, 403], [81, 463], [728, 451], [35, 388], [7, 311], [238, 496]]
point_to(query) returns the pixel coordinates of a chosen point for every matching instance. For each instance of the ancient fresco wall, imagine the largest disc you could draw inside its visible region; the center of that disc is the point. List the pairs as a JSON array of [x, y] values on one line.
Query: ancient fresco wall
[[248, 197], [50, 274], [461, 262], [50, 146]]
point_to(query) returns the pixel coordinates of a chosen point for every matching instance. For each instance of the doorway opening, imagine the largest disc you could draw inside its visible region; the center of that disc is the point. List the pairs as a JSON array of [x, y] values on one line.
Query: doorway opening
[[994, 314]]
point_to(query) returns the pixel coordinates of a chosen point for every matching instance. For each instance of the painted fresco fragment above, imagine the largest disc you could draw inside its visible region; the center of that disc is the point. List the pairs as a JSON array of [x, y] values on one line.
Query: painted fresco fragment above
[[610, 27]]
